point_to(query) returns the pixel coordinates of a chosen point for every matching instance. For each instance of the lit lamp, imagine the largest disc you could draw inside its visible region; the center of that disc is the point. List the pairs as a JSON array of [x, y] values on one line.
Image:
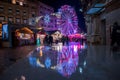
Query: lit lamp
[[14, 1], [21, 3]]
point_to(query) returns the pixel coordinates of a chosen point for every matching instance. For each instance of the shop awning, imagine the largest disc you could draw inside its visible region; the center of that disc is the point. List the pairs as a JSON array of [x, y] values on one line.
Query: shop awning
[[25, 30], [0, 26], [96, 8]]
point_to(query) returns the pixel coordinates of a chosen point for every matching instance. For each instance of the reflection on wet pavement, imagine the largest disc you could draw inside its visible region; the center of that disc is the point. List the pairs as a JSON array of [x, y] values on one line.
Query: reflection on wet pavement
[[70, 62], [9, 56], [63, 59]]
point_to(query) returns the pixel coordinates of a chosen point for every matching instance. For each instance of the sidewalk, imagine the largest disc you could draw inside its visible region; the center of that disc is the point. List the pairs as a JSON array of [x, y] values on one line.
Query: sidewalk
[[9, 56]]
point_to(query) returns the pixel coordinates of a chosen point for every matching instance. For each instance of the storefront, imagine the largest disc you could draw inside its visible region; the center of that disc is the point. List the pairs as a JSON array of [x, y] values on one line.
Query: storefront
[[6, 35], [25, 36]]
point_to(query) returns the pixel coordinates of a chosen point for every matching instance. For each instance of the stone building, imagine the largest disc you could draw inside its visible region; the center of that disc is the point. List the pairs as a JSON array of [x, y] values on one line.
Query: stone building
[[47, 19], [16, 12], [100, 16], [26, 12]]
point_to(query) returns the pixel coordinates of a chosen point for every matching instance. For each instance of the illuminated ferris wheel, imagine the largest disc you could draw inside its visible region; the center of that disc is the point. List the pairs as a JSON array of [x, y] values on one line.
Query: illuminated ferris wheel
[[67, 20]]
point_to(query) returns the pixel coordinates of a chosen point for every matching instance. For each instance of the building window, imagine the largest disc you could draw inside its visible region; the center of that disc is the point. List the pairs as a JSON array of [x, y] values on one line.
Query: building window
[[107, 1], [10, 19], [9, 1], [33, 21], [33, 15], [2, 18], [17, 3], [40, 6], [25, 5], [41, 12], [14, 1], [24, 13], [25, 21], [17, 11], [17, 20], [1, 8], [21, 3], [32, 0], [10, 10], [33, 7]]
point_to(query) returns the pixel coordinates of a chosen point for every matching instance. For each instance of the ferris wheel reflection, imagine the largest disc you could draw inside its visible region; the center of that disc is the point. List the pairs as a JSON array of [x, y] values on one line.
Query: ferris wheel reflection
[[63, 59]]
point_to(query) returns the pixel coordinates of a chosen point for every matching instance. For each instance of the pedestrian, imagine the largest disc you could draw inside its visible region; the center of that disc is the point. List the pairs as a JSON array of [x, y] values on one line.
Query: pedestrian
[[50, 40], [46, 40], [63, 39], [38, 40], [67, 40], [115, 35]]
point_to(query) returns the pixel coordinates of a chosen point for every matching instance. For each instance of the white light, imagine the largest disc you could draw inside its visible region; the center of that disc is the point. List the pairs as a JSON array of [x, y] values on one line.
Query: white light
[[75, 48], [84, 63], [21, 3], [81, 70], [80, 10], [14, 1]]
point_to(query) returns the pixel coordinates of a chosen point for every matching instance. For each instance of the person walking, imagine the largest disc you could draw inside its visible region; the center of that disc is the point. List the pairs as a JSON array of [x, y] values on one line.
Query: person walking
[[115, 35]]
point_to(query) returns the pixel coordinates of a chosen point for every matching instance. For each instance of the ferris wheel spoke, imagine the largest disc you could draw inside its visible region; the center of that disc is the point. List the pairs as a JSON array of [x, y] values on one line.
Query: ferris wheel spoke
[[64, 15], [63, 24], [68, 20]]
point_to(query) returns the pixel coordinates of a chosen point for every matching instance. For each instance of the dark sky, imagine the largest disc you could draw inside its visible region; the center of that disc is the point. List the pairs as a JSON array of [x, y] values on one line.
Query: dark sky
[[56, 4]]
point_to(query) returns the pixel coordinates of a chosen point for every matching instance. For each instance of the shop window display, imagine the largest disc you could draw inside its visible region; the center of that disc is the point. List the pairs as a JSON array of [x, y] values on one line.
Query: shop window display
[[5, 32]]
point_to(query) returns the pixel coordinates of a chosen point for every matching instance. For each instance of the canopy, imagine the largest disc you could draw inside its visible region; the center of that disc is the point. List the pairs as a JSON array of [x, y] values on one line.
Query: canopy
[[0, 26], [25, 30], [96, 8]]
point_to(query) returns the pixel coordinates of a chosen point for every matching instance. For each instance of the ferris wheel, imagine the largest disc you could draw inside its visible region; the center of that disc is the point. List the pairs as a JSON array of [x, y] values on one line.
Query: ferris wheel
[[67, 21]]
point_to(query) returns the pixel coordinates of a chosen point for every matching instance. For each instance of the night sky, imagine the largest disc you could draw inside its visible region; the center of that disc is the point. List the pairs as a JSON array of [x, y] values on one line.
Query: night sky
[[56, 4]]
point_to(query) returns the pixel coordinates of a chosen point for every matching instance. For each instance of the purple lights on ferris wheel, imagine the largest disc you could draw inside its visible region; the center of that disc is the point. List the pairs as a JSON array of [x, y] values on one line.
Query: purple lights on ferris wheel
[[67, 22], [67, 60]]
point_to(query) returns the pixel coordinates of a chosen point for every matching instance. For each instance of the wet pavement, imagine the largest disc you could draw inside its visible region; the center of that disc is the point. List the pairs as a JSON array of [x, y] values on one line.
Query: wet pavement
[[8, 56], [69, 62]]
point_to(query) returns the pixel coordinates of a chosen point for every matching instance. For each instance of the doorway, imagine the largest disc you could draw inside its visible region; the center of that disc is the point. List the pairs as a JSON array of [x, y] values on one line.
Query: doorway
[[103, 31]]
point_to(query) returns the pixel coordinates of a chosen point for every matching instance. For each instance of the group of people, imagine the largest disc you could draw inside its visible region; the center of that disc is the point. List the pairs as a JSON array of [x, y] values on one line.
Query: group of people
[[65, 40], [48, 40]]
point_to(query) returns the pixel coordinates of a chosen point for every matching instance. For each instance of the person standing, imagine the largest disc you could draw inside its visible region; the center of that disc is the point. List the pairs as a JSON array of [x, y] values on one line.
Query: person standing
[[115, 35], [50, 40], [38, 40]]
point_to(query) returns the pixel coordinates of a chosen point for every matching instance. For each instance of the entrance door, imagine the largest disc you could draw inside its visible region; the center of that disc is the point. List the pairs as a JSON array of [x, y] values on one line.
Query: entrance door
[[103, 31]]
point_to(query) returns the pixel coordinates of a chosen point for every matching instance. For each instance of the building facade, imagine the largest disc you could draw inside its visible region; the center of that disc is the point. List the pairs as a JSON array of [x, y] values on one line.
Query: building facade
[[26, 12], [15, 13], [100, 16], [47, 19]]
